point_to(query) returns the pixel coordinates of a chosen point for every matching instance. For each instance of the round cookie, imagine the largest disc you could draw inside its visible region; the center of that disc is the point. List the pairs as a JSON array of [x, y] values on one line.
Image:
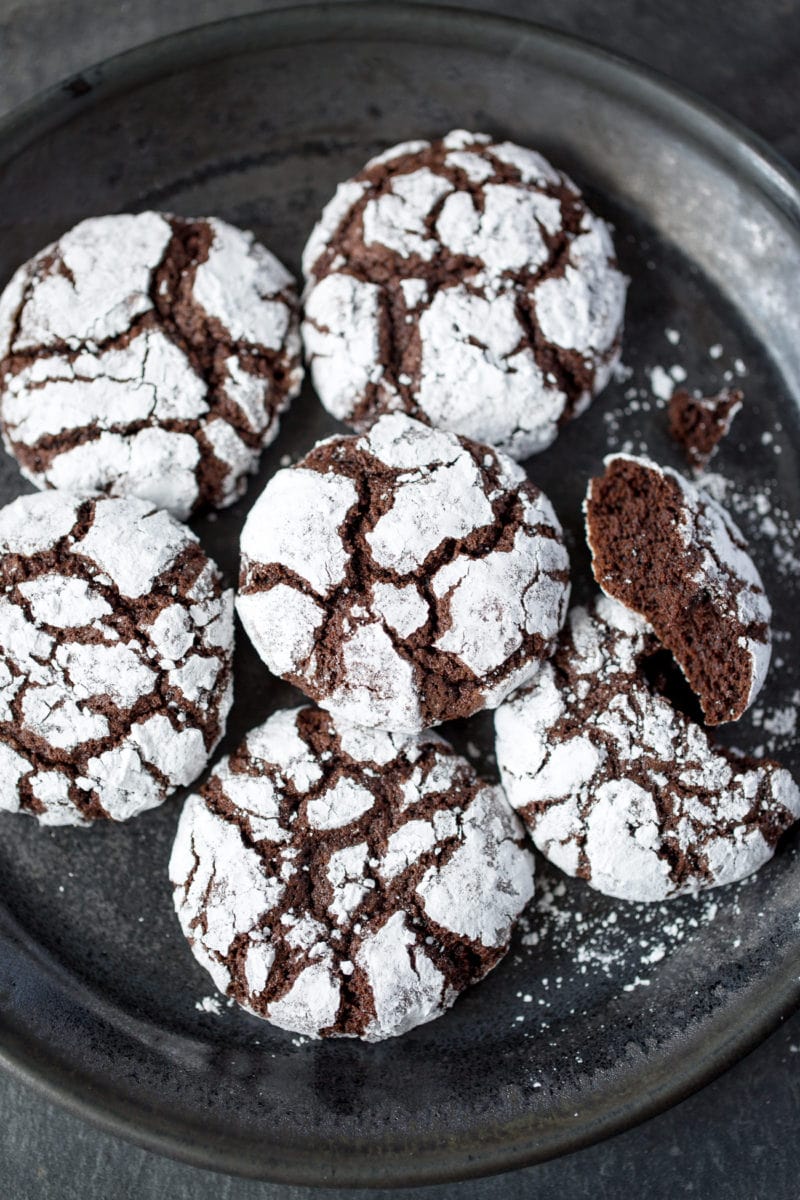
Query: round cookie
[[403, 578], [347, 883], [465, 282], [147, 355], [618, 787], [669, 552], [116, 639]]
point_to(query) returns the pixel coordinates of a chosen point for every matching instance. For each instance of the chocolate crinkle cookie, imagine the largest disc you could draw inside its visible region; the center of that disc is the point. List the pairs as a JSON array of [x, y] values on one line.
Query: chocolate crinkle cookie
[[669, 552], [116, 639], [465, 282], [699, 423], [617, 786], [147, 355], [403, 578], [347, 883]]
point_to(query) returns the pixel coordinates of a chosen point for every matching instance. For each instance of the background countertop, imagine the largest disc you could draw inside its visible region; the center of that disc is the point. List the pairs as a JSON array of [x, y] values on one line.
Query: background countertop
[[737, 1139]]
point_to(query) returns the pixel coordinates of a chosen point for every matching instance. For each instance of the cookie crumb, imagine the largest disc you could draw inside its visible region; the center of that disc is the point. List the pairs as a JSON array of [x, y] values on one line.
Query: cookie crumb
[[699, 423]]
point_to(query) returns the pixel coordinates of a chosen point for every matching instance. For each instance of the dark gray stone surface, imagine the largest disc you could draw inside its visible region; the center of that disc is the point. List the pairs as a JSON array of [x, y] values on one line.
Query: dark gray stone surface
[[735, 1140]]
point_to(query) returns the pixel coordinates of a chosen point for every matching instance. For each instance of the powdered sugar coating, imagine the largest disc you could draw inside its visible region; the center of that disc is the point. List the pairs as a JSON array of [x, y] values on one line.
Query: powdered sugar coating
[[709, 566], [462, 281], [116, 639], [347, 882], [618, 787], [403, 578], [148, 355]]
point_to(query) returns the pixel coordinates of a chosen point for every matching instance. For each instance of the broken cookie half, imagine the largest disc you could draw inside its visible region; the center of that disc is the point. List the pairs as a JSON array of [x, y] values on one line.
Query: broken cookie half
[[670, 553]]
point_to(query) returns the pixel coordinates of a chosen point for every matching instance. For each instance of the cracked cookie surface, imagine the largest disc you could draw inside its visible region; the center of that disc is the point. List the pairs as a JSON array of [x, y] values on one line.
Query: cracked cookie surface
[[465, 282], [116, 638], [669, 552], [339, 881], [148, 355], [617, 786], [403, 578]]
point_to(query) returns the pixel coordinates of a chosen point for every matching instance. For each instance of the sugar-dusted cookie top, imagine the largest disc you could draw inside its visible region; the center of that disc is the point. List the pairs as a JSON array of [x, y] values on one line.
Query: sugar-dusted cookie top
[[116, 638], [147, 355], [403, 578], [347, 882], [620, 788], [465, 282]]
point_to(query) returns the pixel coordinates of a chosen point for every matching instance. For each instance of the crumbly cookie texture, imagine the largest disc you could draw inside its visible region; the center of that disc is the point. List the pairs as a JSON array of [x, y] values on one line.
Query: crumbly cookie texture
[[347, 882], [618, 787], [116, 639], [699, 423], [465, 282], [147, 355], [403, 578], [669, 552]]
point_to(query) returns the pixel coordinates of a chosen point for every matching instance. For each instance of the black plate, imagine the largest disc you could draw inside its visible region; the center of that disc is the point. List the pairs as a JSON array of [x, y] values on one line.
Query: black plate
[[256, 120]]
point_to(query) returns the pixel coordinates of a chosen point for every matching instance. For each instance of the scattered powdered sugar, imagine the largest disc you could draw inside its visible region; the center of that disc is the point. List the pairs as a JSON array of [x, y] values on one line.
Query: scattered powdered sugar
[[626, 423], [778, 724], [663, 381], [210, 1004], [648, 396], [595, 945]]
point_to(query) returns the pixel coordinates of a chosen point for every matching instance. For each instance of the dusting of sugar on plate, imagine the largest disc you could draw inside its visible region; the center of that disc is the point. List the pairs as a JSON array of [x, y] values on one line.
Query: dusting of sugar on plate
[[661, 383], [616, 944], [210, 1004]]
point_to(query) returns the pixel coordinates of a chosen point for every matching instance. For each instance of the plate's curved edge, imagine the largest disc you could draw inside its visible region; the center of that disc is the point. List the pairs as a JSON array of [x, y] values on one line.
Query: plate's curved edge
[[758, 1012], [754, 1021], [362, 20]]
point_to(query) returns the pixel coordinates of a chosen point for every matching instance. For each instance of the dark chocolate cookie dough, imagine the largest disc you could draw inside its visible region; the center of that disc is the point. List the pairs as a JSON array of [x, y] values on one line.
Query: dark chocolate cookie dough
[[699, 423], [668, 551]]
